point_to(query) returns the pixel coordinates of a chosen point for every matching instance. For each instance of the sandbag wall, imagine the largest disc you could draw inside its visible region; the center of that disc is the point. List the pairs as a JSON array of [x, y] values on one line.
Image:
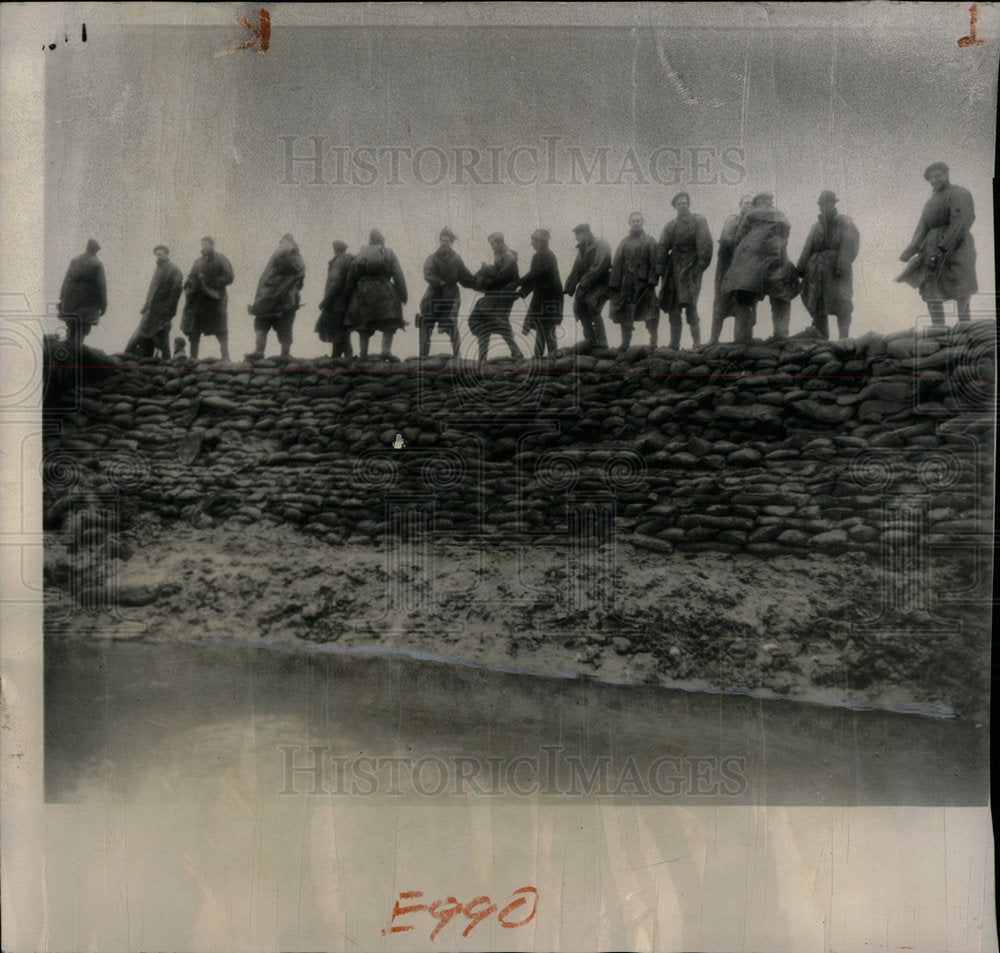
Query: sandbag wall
[[802, 446]]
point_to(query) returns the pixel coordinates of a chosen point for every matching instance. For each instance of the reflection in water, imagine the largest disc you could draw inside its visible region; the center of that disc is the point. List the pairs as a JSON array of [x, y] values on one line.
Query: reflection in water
[[160, 722]]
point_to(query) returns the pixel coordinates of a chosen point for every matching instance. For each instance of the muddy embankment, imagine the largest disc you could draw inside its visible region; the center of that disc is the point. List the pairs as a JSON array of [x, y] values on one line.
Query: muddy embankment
[[809, 519]]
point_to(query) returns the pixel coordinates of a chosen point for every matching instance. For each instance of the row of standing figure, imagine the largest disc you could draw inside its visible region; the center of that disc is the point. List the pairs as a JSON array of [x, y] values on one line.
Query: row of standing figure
[[365, 293]]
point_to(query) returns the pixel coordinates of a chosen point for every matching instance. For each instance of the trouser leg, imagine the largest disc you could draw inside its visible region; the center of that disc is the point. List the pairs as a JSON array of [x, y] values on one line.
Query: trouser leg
[[781, 312], [654, 327], [936, 311], [364, 337], [507, 333], [716, 332], [626, 334], [484, 347], [964, 313], [387, 343], [694, 324], [195, 342], [600, 335], [550, 337], [224, 346], [163, 342], [820, 323], [744, 308], [425, 339], [456, 341], [676, 327]]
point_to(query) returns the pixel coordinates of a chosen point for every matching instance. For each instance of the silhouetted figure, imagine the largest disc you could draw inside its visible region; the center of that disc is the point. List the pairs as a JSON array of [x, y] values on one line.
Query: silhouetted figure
[[277, 297], [760, 268], [333, 308], [376, 292], [826, 268], [206, 300], [685, 253], [491, 313], [943, 265], [542, 282], [724, 305], [84, 295], [634, 276], [444, 271], [158, 312], [587, 284]]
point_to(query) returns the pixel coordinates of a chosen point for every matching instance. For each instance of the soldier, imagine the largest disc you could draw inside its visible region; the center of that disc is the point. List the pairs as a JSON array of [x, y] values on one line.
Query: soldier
[[943, 254], [491, 313], [685, 253], [160, 307], [444, 271], [376, 291], [84, 295], [760, 268], [277, 297], [206, 301], [634, 275], [587, 284], [825, 267], [333, 307], [545, 310], [724, 305]]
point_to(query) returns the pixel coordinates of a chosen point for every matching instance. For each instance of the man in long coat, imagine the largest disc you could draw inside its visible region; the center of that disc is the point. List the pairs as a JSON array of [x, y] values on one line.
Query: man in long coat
[[498, 283], [760, 268], [587, 284], [685, 253], [542, 282], [333, 307], [634, 276], [376, 291], [206, 300], [277, 297], [444, 271], [825, 266], [724, 305], [943, 254], [158, 312], [84, 295]]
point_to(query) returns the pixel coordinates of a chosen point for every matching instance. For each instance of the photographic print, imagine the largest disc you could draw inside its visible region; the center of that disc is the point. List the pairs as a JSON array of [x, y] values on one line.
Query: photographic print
[[499, 478]]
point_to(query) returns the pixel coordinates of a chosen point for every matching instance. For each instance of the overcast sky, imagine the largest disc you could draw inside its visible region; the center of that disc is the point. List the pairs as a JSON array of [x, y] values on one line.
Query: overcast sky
[[161, 135]]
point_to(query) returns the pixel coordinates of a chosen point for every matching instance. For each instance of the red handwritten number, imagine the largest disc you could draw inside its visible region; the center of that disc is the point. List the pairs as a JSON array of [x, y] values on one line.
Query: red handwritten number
[[971, 39], [477, 918], [445, 915], [261, 32], [476, 910], [519, 902]]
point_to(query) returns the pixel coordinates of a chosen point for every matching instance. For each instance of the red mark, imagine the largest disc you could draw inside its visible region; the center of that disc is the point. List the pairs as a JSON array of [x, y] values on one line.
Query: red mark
[[398, 911], [444, 916], [261, 32], [971, 40], [476, 910], [519, 902]]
